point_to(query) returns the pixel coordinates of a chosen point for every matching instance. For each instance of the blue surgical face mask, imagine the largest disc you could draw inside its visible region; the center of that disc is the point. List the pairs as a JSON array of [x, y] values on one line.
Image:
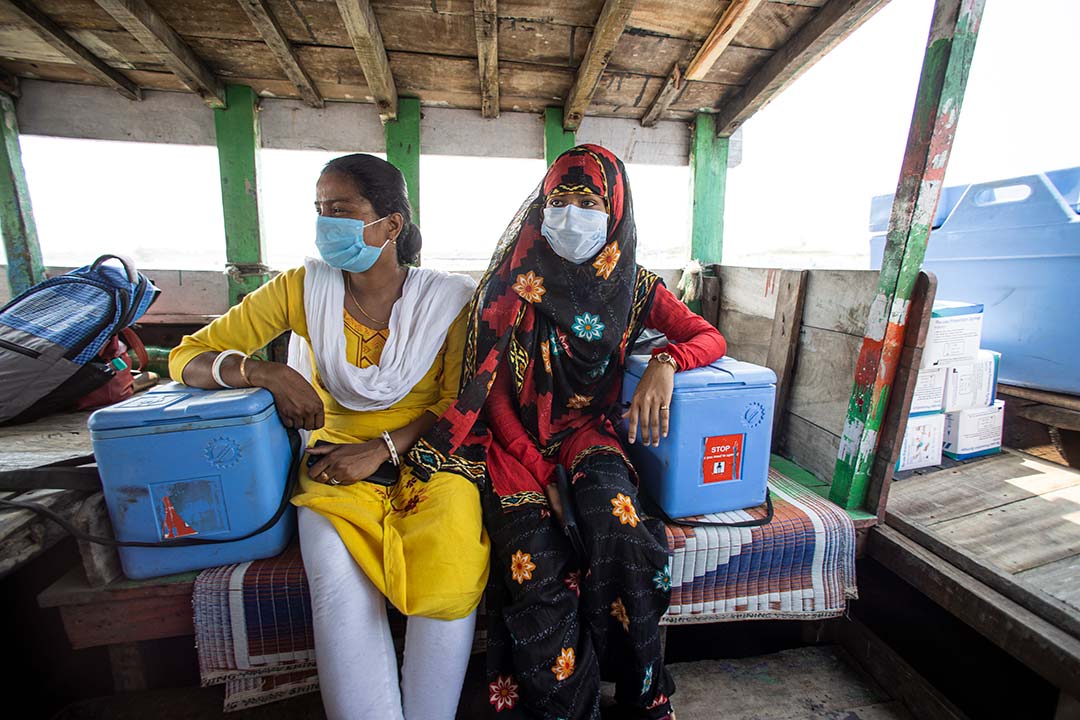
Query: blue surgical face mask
[[341, 243], [574, 233]]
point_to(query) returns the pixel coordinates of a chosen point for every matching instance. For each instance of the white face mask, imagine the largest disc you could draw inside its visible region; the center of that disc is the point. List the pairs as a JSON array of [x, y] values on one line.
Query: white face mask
[[574, 234]]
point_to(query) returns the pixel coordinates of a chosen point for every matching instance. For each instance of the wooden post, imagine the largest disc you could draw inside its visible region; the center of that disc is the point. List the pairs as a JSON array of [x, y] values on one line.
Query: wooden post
[[953, 32], [237, 128], [25, 267], [556, 140], [708, 176], [403, 148]]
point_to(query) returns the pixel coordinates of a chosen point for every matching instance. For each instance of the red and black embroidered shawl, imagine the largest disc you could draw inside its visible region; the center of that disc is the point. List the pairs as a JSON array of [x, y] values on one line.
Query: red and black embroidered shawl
[[563, 329]]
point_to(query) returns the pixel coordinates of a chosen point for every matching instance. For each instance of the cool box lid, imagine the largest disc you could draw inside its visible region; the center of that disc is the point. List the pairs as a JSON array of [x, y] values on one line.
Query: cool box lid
[[727, 371], [174, 403]]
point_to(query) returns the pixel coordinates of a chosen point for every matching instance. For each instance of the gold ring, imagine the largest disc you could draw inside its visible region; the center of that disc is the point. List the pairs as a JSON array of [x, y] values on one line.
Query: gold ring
[[324, 476], [664, 407]]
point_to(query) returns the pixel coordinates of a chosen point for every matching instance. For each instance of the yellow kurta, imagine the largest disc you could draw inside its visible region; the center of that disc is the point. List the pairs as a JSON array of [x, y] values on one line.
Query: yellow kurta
[[422, 544]]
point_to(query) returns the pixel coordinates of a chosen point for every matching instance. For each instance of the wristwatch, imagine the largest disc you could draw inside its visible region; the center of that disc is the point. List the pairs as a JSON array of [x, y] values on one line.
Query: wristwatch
[[665, 357]]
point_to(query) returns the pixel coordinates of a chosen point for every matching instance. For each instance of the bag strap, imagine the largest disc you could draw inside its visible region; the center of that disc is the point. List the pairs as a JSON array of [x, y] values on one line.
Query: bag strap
[[129, 267], [659, 512], [134, 342], [294, 470]]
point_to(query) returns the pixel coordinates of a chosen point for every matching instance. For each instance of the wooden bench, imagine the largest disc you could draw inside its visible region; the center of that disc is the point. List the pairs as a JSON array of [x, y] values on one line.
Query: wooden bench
[[806, 325]]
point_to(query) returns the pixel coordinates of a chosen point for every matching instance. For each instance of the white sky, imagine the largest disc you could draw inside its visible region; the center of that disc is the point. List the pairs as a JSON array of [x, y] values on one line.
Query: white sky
[[812, 161]]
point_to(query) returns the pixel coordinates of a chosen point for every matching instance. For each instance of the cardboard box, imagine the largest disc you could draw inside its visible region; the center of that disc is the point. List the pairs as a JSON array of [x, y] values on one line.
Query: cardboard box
[[974, 432], [929, 392], [954, 334], [972, 385], [922, 442]]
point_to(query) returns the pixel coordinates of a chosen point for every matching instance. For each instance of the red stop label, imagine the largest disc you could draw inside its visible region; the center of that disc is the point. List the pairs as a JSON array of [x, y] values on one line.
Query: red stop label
[[723, 458]]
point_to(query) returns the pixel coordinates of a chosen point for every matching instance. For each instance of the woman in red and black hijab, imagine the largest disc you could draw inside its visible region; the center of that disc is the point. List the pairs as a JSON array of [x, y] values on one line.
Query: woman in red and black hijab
[[551, 326]]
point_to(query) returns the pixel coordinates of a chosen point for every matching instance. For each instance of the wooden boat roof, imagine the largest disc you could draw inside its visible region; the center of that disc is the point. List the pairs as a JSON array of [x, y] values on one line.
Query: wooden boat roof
[[647, 60]]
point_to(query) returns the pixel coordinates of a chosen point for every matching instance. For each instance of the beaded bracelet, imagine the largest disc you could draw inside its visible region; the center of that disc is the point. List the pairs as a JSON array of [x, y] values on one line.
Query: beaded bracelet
[[393, 450], [215, 369]]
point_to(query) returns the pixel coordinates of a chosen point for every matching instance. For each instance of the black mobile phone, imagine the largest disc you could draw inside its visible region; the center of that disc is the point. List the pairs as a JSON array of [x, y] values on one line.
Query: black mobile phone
[[386, 474]]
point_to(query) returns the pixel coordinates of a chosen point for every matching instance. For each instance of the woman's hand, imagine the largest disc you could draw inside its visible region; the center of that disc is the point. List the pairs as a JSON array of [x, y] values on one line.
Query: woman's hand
[[347, 464], [298, 405], [650, 404]]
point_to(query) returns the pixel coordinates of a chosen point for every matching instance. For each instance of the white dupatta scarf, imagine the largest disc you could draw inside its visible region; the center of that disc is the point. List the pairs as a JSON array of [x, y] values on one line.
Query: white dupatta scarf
[[419, 320]]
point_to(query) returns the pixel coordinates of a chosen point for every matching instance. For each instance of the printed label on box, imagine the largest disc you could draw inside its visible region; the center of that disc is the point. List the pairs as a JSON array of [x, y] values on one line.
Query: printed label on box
[[953, 339], [929, 390], [921, 446], [723, 458]]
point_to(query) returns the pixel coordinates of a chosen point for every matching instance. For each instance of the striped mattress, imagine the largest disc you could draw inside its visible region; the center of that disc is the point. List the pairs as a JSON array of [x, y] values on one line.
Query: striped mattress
[[253, 620]]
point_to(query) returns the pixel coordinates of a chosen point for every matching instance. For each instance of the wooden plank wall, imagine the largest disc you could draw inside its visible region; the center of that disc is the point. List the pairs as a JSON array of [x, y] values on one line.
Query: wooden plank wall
[[834, 315]]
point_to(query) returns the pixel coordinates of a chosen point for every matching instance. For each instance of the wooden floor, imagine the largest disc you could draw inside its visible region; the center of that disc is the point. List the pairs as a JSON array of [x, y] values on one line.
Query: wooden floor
[[1014, 514], [811, 683]]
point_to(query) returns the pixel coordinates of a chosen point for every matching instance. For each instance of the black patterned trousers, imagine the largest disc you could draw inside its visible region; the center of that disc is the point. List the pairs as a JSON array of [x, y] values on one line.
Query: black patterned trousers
[[558, 623]]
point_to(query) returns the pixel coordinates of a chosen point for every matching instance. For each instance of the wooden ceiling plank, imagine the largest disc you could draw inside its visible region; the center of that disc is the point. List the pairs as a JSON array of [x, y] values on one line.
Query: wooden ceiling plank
[[487, 46], [150, 29], [264, 21], [58, 38], [725, 30], [729, 25], [829, 26], [673, 87], [367, 41], [609, 28]]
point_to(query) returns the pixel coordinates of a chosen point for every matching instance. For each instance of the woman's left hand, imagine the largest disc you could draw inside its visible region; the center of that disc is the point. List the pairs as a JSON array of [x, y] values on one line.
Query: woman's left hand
[[650, 404], [347, 464]]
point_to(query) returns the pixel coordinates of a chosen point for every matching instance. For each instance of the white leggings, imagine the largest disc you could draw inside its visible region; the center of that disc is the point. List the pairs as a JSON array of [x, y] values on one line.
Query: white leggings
[[358, 672]]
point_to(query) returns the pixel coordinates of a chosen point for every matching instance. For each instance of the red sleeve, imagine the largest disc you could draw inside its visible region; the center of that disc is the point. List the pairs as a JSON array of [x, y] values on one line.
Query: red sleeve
[[510, 434], [693, 342]]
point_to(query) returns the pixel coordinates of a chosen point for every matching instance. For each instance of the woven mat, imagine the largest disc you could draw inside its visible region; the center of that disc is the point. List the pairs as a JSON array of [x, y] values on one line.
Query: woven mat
[[253, 620], [800, 566]]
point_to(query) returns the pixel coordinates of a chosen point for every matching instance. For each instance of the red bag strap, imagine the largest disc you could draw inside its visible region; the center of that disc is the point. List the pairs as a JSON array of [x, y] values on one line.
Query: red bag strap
[[134, 342]]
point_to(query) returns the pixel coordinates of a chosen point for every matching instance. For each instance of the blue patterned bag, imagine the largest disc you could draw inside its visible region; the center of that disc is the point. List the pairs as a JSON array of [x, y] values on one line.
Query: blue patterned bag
[[51, 332]]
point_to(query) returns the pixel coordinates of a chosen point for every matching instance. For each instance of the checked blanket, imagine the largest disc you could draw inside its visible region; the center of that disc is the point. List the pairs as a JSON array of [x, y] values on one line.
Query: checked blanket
[[253, 620]]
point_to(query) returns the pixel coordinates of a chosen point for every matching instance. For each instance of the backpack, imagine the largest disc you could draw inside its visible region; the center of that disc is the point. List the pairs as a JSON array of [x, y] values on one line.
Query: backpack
[[51, 336]]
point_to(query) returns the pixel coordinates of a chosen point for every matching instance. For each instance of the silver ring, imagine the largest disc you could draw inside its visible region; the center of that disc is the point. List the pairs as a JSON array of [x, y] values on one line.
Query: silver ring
[[334, 481]]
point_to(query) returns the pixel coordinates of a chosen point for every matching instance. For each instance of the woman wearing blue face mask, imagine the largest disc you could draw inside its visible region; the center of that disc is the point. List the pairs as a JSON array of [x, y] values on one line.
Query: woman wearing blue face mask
[[375, 359], [558, 311]]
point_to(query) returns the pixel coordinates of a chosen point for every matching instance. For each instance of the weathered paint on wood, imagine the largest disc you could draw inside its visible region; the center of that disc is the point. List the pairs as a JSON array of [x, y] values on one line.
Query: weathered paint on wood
[[907, 377], [25, 267], [262, 17], [609, 27], [708, 173], [367, 41], [154, 33], [949, 50], [59, 39], [403, 148], [556, 139], [238, 141], [487, 53]]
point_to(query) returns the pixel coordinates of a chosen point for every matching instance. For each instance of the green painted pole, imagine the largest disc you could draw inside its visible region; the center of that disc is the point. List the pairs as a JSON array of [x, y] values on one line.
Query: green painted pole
[[25, 268], [708, 175], [238, 141], [556, 139], [403, 148], [949, 50]]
